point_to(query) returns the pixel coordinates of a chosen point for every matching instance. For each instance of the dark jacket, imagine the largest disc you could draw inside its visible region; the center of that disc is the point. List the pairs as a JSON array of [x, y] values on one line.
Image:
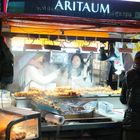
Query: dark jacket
[[6, 63], [130, 96]]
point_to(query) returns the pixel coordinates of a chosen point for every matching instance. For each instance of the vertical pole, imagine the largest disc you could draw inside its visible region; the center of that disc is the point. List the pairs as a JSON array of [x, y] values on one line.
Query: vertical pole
[[0, 26], [118, 82], [4, 6], [3, 10], [100, 73]]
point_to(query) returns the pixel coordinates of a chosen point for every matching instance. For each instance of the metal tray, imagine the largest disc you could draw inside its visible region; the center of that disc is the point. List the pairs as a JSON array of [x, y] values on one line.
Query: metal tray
[[42, 107]]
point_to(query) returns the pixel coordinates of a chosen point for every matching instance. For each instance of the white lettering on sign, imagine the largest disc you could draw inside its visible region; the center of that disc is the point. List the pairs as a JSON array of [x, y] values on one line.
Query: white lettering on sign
[[95, 9], [104, 9], [59, 5], [83, 6], [74, 6], [79, 5], [67, 6], [86, 7]]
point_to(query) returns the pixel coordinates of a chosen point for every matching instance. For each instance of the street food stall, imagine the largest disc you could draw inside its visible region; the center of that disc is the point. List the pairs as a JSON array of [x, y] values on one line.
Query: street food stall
[[98, 32]]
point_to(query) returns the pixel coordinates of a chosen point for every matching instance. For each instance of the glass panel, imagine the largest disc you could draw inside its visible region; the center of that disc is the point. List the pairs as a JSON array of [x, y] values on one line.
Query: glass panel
[[5, 119], [25, 130]]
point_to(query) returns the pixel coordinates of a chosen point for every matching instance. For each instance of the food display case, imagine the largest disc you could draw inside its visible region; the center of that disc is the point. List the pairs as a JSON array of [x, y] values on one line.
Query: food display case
[[67, 114], [19, 124]]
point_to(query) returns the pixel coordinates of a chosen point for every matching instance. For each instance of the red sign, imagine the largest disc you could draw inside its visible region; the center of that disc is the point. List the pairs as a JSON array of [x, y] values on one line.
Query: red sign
[[125, 50], [92, 49]]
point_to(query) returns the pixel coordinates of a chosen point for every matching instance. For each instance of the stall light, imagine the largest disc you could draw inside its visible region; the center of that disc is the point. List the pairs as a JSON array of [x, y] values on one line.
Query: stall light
[[68, 44], [84, 51], [70, 50], [43, 50], [34, 50], [31, 50]]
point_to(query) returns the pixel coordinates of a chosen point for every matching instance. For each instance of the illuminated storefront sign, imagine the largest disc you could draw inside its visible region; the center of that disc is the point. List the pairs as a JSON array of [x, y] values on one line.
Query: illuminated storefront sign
[[80, 6], [99, 9]]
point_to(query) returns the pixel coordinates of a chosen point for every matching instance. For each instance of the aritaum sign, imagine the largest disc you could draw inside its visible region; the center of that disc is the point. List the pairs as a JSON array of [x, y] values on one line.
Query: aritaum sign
[[100, 9], [80, 6]]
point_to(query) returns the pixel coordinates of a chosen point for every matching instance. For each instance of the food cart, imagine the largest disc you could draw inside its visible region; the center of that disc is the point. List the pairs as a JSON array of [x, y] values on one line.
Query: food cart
[[55, 26]]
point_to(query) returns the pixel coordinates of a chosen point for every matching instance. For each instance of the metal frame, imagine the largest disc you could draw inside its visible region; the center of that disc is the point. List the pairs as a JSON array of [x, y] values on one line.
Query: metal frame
[[23, 118]]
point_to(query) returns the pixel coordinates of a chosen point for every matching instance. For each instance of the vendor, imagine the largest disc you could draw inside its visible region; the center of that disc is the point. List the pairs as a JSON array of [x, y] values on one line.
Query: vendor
[[79, 73], [32, 72]]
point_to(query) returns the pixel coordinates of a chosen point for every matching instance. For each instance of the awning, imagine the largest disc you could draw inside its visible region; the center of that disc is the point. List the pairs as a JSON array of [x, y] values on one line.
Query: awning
[[36, 17]]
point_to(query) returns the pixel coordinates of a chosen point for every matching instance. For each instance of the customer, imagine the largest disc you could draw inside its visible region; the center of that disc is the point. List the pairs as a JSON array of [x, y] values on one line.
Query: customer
[[79, 73], [6, 65], [130, 96], [32, 72]]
